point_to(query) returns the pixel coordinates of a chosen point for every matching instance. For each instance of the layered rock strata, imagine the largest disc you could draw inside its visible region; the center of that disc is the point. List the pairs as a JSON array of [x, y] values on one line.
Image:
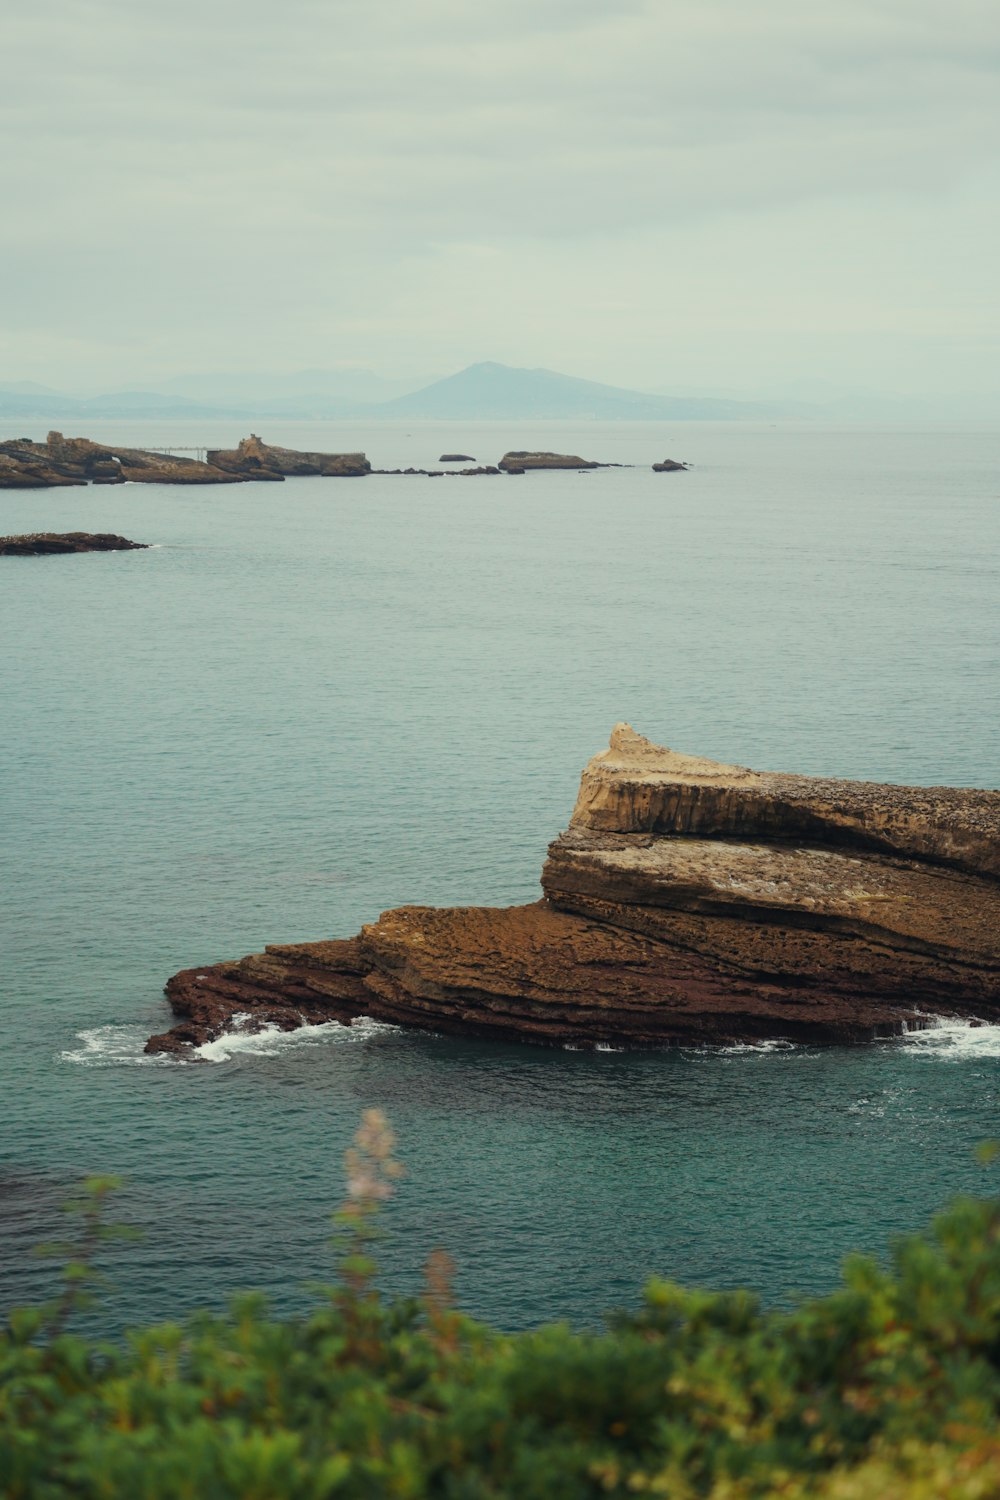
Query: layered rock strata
[[60, 460], [255, 459], [42, 543], [688, 902]]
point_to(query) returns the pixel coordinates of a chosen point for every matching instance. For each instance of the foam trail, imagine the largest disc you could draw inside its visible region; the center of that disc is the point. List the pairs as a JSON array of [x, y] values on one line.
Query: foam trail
[[953, 1041], [122, 1046], [271, 1040], [113, 1047]]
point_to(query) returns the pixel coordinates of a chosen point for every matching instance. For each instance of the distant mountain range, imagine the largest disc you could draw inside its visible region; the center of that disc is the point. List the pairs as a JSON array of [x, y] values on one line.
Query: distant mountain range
[[482, 392], [487, 391]]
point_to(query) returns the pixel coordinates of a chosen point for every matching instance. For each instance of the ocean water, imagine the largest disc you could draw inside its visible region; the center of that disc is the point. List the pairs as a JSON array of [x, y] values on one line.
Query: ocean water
[[310, 702]]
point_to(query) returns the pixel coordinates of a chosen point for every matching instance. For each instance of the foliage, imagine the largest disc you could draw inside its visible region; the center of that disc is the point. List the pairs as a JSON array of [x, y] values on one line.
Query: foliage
[[888, 1389]]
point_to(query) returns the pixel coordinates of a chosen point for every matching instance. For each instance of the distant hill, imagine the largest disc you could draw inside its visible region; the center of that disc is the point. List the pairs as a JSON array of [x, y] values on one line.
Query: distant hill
[[482, 392], [44, 405], [489, 390]]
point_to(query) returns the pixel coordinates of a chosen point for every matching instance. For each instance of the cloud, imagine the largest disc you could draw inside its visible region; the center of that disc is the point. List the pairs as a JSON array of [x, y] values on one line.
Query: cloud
[[193, 157]]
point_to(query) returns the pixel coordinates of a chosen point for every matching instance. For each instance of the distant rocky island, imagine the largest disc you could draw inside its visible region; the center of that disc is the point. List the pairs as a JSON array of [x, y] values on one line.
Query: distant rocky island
[[688, 902], [45, 543], [25, 464], [68, 461]]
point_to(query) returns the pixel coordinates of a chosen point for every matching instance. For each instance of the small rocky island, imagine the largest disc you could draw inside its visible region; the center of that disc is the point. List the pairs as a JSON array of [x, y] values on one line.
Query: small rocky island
[[519, 461], [688, 902], [44, 543]]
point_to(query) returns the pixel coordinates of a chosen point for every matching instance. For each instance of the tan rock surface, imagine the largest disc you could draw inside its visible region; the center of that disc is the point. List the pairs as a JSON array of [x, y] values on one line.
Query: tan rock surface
[[255, 459], [688, 901]]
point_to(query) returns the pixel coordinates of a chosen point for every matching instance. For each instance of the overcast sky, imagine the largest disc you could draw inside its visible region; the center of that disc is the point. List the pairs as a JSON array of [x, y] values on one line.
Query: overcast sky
[[731, 196]]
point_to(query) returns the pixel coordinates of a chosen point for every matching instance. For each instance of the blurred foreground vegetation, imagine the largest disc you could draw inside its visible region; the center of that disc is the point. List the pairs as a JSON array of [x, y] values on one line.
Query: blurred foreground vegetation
[[888, 1389]]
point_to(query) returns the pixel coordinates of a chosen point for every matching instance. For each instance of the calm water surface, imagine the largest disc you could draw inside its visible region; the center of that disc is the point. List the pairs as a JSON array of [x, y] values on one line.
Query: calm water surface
[[311, 702]]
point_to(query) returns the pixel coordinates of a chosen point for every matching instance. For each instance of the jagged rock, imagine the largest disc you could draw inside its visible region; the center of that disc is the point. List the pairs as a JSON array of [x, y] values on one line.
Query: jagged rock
[[40, 543], [668, 466], [25, 465], [456, 458], [688, 901], [255, 459], [518, 461], [62, 460]]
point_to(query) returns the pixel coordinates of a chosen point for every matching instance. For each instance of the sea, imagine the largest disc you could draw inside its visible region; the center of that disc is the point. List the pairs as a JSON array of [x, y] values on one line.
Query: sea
[[311, 702]]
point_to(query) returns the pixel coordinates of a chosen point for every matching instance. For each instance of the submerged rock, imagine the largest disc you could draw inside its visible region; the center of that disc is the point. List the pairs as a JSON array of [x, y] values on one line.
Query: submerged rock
[[688, 902], [40, 543]]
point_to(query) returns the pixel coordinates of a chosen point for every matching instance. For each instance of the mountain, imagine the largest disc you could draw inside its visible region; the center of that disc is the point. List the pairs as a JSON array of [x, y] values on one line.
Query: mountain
[[44, 405], [486, 391]]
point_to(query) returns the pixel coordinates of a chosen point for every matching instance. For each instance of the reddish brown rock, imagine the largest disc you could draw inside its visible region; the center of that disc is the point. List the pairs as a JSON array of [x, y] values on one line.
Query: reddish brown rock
[[688, 902]]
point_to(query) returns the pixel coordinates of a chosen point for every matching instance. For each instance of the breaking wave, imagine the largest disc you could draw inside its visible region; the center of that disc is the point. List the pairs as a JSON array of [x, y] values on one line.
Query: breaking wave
[[122, 1046], [953, 1041]]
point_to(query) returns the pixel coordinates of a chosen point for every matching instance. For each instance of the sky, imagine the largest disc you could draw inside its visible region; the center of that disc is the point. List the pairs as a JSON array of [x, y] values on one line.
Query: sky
[[729, 197]]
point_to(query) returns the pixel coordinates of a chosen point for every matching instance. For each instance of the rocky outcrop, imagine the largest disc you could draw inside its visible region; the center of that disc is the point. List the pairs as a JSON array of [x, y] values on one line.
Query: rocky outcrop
[[688, 901], [456, 458], [255, 459], [60, 460], [518, 462], [42, 543], [668, 466], [25, 465]]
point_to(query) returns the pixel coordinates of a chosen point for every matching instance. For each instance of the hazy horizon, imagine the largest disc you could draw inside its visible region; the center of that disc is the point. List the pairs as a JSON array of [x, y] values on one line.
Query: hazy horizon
[[707, 201]]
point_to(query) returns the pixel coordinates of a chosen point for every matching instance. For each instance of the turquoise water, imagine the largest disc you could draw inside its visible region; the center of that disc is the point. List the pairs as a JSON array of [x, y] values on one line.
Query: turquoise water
[[311, 702]]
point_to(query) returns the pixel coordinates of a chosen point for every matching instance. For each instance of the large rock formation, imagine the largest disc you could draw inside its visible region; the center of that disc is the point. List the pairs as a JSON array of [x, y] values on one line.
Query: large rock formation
[[60, 460], [255, 459], [688, 902], [42, 543]]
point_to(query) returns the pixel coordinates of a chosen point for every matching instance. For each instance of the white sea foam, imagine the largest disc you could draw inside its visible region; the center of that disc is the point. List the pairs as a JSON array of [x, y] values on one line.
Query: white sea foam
[[270, 1039], [953, 1041], [122, 1046], [113, 1047], [767, 1044]]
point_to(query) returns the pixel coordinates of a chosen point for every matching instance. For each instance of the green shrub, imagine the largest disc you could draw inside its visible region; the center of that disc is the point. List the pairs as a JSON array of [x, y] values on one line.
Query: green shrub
[[888, 1389]]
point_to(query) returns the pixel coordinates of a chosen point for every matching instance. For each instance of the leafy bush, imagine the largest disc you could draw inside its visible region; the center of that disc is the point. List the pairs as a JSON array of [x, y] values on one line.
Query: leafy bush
[[888, 1389]]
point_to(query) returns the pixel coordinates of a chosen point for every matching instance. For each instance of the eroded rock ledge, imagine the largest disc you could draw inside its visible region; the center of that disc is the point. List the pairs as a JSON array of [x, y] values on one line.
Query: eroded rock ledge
[[688, 902]]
